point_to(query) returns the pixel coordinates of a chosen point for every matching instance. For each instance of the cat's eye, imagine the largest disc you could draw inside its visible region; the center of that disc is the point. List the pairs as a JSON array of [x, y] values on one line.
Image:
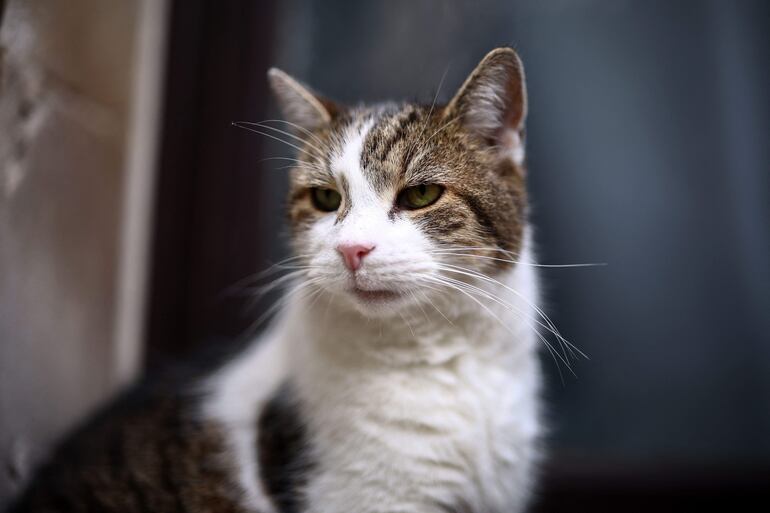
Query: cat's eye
[[419, 196], [327, 200]]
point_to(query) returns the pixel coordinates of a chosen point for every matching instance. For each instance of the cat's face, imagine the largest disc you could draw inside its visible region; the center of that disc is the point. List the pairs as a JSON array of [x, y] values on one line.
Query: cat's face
[[390, 203]]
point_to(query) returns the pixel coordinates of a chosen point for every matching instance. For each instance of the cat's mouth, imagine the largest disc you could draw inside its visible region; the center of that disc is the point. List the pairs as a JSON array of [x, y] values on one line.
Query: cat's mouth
[[375, 296]]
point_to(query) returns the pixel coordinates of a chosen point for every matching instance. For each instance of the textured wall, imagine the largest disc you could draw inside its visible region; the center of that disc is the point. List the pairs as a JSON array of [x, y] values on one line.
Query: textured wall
[[65, 112]]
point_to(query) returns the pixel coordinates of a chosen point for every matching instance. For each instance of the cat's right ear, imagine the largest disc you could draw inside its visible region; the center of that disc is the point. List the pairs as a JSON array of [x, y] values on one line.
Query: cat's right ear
[[492, 103], [299, 104]]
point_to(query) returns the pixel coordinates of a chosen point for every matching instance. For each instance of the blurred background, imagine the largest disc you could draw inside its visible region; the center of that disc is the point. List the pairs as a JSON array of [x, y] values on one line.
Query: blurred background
[[129, 206]]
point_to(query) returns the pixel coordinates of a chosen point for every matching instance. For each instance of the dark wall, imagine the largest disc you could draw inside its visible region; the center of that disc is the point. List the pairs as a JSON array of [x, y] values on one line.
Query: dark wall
[[210, 228]]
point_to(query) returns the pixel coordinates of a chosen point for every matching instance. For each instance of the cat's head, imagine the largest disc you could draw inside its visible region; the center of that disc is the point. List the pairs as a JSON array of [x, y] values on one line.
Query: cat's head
[[390, 203]]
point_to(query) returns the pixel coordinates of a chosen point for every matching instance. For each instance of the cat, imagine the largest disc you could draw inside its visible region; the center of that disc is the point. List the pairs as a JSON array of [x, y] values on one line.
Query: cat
[[400, 373]]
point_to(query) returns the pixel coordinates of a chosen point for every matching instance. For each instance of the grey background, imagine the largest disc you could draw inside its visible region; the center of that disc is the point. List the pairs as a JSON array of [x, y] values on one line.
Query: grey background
[[648, 149]]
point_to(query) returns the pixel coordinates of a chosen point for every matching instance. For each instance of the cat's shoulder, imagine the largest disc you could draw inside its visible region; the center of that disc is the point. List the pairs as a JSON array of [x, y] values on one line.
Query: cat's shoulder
[[149, 449]]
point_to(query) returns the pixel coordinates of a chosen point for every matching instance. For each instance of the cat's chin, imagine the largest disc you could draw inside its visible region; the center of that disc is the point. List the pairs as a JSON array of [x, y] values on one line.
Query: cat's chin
[[377, 302], [375, 296]]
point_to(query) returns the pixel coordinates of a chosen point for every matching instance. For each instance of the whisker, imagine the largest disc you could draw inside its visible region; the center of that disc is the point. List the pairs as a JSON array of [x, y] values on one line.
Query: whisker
[[316, 298], [551, 327], [283, 132], [484, 277], [419, 305], [298, 127], [433, 103], [302, 150], [505, 304], [326, 310], [417, 140], [508, 306], [407, 323], [442, 128], [287, 279], [272, 269], [297, 162], [281, 303], [464, 252], [554, 354], [427, 298]]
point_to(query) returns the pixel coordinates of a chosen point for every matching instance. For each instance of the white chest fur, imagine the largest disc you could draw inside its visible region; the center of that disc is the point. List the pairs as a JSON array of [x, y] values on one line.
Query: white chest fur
[[453, 437]]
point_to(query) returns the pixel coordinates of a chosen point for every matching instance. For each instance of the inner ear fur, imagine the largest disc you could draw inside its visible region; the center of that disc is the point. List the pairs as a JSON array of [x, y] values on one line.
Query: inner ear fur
[[492, 102], [300, 104]]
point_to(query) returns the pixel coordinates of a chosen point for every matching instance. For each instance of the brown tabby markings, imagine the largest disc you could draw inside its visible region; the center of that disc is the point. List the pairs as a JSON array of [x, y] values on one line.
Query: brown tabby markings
[[152, 455], [386, 140]]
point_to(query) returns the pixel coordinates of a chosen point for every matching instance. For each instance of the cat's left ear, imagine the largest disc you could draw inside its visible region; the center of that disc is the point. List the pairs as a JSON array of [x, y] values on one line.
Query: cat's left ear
[[299, 104], [492, 103]]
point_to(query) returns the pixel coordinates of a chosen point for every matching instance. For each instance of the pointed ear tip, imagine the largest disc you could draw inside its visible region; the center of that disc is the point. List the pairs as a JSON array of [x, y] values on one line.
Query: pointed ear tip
[[506, 53], [508, 50], [274, 73]]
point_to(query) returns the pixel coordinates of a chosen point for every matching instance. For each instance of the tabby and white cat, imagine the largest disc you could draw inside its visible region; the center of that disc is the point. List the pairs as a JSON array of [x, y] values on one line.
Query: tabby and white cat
[[400, 374]]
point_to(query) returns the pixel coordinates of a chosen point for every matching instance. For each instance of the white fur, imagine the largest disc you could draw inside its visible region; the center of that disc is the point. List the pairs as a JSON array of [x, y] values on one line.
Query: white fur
[[237, 396], [430, 401]]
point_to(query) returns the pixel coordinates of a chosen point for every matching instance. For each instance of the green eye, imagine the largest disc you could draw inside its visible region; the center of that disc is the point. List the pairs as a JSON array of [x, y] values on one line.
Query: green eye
[[419, 196], [327, 200]]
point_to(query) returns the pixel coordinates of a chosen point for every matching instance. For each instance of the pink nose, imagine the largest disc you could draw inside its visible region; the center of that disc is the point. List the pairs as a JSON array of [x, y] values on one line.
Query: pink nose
[[353, 254]]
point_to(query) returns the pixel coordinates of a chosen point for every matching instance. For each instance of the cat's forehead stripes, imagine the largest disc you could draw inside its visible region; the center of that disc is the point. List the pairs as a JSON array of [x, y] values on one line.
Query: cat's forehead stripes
[[387, 145], [375, 147]]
